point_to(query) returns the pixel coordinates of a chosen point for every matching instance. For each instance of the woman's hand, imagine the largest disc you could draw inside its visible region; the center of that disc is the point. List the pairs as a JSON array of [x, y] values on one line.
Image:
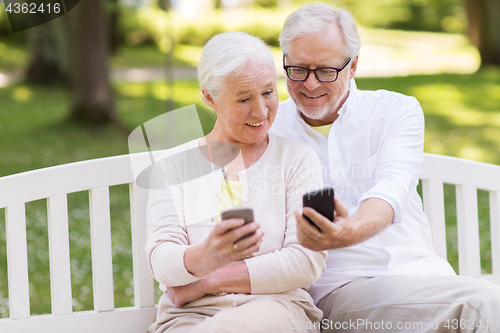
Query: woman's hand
[[232, 278], [182, 295], [223, 246]]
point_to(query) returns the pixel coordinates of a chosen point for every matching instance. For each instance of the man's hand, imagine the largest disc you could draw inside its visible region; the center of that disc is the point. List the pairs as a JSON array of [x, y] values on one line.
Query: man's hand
[[372, 217]]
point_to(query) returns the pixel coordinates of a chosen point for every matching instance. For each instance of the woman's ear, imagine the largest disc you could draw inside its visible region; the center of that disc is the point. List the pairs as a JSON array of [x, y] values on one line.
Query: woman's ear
[[209, 99]]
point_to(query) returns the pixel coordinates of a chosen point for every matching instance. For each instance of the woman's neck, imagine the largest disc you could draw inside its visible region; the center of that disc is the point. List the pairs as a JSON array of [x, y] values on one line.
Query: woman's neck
[[249, 153]]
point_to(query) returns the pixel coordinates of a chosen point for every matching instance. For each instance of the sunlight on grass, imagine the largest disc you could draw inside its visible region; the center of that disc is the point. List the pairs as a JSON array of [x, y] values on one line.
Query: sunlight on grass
[[22, 94], [161, 91], [188, 53]]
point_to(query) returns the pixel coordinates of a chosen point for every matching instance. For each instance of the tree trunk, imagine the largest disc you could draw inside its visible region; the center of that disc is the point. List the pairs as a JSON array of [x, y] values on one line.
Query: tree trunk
[[113, 17], [484, 29], [86, 52], [45, 66]]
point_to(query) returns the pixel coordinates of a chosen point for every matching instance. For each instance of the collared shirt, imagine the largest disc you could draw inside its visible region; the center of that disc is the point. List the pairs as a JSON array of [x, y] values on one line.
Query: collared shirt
[[374, 150]]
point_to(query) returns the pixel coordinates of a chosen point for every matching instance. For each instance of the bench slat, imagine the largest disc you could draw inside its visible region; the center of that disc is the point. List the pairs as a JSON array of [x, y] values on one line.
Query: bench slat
[[123, 320], [432, 191], [66, 178], [144, 295], [495, 231], [60, 269], [102, 258], [469, 259], [17, 261]]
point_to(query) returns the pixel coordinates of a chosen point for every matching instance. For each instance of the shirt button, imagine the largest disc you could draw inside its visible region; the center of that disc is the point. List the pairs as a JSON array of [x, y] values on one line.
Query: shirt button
[[245, 200]]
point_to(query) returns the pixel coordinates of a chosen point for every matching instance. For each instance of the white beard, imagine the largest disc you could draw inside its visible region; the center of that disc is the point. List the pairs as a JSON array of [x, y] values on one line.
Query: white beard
[[317, 113]]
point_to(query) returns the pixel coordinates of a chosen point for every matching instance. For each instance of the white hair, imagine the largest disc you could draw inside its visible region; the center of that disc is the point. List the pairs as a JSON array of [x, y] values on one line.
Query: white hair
[[226, 53], [312, 19]]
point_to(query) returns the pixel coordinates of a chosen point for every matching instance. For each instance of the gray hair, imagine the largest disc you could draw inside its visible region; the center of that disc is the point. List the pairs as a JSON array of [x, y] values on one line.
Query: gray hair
[[226, 53], [312, 19]]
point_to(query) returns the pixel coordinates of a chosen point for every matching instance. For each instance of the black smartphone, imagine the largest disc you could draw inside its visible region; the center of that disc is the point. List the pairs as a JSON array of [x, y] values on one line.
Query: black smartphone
[[321, 201], [242, 213]]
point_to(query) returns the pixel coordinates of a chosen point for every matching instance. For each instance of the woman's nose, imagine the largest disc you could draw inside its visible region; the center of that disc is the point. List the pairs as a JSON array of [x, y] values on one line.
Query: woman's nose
[[260, 108]]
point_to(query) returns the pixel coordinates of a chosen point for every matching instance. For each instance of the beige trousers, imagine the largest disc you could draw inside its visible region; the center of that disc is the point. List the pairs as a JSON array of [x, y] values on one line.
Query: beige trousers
[[238, 313], [413, 304]]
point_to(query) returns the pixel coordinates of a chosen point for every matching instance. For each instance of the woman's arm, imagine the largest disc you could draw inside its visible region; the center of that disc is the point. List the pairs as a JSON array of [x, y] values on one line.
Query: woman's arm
[[231, 278]]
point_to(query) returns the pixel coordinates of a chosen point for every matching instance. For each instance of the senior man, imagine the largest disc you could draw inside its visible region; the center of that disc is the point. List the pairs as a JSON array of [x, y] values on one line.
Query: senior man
[[382, 273]]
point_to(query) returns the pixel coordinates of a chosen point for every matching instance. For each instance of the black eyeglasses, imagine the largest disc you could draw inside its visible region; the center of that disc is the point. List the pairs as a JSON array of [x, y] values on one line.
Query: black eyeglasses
[[323, 74]]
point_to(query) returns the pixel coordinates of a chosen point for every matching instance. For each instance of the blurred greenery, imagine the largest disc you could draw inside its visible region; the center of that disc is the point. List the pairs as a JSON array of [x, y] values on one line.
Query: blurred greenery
[[424, 15]]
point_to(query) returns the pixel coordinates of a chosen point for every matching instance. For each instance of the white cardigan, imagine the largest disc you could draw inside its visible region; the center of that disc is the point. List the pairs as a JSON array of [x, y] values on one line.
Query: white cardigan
[[273, 187]]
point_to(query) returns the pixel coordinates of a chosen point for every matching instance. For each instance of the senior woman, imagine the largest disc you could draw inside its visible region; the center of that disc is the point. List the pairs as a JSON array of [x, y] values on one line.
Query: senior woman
[[214, 280]]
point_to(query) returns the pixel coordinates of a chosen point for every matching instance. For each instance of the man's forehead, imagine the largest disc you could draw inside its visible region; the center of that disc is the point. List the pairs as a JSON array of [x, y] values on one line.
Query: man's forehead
[[323, 46]]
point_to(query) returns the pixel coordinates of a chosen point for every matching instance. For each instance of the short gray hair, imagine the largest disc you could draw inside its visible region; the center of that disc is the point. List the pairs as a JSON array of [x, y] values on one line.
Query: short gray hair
[[226, 53], [312, 19]]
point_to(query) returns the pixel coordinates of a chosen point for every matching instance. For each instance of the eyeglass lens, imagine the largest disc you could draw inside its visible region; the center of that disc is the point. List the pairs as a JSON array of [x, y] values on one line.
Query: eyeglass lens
[[301, 74]]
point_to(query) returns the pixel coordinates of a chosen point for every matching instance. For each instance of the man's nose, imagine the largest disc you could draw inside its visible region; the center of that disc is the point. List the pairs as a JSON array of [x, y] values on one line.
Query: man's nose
[[312, 82]]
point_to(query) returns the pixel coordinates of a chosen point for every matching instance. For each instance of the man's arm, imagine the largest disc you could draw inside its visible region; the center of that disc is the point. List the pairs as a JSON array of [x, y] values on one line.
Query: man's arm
[[371, 218]]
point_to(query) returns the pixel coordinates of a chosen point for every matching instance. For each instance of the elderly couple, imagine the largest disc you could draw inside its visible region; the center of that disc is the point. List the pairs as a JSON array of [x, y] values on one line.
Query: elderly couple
[[379, 267]]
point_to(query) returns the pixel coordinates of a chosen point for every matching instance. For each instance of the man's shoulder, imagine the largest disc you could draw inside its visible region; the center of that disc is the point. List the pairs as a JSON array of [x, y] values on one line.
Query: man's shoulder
[[291, 147], [286, 122], [286, 109], [382, 96]]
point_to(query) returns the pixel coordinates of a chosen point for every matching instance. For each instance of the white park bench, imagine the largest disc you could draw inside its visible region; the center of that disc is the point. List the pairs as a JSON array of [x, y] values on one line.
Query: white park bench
[[96, 176]]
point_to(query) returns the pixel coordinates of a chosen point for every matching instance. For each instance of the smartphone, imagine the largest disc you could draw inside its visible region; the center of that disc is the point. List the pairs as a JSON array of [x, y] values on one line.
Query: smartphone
[[241, 213], [321, 201]]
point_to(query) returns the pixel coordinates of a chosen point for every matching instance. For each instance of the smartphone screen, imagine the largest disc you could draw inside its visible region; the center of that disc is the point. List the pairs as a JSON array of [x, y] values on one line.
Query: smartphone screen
[[321, 201], [242, 213]]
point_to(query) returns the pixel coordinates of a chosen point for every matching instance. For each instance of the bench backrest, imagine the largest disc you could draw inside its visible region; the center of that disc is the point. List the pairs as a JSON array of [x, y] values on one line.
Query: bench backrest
[[96, 176], [467, 176], [53, 184]]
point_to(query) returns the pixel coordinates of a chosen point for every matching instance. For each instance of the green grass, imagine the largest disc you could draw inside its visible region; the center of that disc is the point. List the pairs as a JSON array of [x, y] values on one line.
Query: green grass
[[462, 119]]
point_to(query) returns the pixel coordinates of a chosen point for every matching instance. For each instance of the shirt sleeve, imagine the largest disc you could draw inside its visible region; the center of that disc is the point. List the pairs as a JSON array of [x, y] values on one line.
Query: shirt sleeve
[[293, 266], [167, 236], [399, 158]]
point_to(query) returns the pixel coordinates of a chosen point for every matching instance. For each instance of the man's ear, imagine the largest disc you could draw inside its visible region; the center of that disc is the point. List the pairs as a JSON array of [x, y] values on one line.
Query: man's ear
[[353, 67], [209, 99]]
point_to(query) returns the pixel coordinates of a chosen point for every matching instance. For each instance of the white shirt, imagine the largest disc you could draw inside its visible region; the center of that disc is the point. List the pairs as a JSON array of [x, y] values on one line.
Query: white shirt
[[374, 150]]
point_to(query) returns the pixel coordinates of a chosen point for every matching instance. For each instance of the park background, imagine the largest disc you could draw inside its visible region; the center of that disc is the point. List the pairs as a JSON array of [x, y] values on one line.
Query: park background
[[74, 88]]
